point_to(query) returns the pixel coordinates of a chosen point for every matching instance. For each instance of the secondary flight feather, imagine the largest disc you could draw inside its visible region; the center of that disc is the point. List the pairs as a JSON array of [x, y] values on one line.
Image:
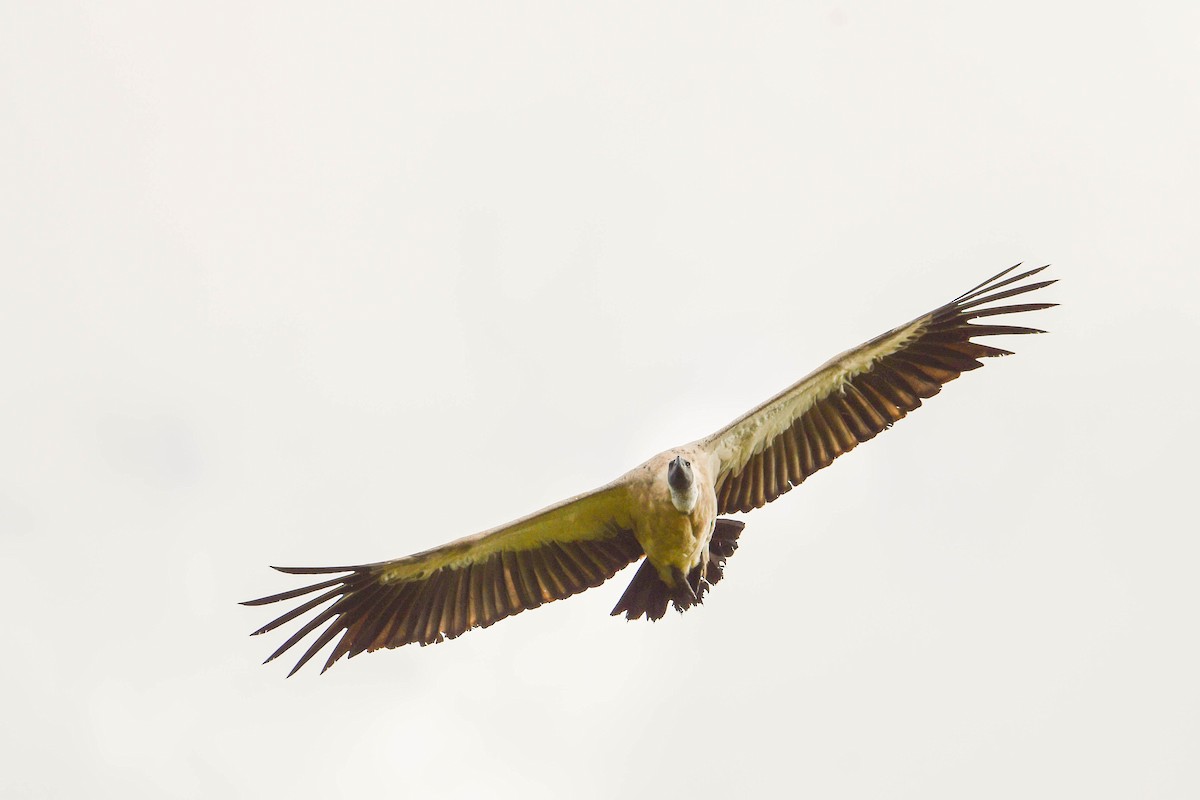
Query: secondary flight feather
[[666, 510]]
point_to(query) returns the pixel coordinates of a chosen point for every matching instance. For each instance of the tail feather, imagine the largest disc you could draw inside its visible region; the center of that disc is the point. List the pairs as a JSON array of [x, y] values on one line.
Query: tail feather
[[648, 596]]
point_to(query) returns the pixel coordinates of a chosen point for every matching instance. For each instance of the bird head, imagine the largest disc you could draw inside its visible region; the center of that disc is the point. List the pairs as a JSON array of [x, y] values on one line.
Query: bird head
[[679, 474]]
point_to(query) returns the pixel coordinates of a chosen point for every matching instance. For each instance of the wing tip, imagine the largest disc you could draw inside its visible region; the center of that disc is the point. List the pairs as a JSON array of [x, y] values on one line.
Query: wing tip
[[1001, 279], [315, 570]]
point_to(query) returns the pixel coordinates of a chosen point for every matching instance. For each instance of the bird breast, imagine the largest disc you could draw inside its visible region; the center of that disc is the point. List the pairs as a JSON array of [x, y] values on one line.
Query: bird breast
[[670, 535]]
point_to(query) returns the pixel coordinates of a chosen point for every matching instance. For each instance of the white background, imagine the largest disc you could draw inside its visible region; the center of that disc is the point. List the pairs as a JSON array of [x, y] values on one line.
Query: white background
[[305, 284]]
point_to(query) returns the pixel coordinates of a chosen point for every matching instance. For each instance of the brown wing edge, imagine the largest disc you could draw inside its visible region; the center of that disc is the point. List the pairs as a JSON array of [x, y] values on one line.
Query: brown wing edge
[[874, 400], [372, 613]]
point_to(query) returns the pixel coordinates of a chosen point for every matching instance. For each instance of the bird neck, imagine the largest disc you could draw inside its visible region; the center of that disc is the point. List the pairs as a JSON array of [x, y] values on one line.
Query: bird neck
[[684, 500]]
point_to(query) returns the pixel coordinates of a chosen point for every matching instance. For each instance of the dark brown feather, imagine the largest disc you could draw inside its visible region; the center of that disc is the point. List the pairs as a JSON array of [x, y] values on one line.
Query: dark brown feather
[[565, 570], [791, 460], [447, 620], [768, 465], [808, 458], [551, 589], [487, 599], [475, 614], [508, 570], [531, 592]]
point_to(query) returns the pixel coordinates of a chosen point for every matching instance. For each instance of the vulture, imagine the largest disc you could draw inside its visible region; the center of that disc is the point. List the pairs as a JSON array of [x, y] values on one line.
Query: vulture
[[669, 509]]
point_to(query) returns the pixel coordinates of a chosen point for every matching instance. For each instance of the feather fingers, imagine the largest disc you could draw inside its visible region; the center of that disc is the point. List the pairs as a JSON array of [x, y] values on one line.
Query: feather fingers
[[298, 610], [275, 598], [970, 292], [1006, 294]]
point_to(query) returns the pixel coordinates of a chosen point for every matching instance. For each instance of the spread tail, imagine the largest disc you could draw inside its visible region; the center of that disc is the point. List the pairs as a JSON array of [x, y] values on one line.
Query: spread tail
[[648, 596]]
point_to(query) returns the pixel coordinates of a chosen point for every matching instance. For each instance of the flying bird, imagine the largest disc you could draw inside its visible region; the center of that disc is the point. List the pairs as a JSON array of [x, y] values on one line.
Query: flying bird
[[667, 509]]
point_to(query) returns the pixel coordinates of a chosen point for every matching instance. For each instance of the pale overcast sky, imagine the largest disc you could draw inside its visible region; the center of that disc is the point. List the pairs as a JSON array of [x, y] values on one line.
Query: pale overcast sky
[[307, 283]]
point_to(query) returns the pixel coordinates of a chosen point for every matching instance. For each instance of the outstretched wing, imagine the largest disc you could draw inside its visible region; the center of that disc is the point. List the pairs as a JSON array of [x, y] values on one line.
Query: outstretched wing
[[858, 394], [468, 583]]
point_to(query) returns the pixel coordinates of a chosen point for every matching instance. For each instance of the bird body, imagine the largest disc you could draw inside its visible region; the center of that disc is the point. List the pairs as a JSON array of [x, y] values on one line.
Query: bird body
[[674, 538], [668, 509]]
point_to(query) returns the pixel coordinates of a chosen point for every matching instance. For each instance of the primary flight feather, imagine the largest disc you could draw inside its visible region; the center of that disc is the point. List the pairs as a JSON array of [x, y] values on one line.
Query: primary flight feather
[[666, 509]]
